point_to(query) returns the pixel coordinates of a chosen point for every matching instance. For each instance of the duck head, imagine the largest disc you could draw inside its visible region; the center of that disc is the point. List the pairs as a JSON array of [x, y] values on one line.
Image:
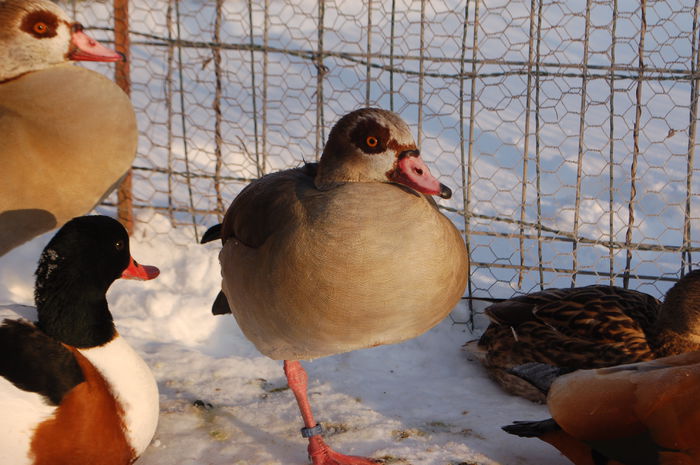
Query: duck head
[[36, 34], [680, 311], [374, 145], [75, 270]]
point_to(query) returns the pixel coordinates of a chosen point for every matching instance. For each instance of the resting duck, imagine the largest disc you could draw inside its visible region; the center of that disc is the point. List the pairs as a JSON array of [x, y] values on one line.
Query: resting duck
[[347, 254], [67, 134], [645, 413], [72, 391], [587, 327]]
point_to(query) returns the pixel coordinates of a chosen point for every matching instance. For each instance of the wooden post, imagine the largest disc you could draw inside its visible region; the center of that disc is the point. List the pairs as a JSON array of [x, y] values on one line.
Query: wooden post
[[122, 77]]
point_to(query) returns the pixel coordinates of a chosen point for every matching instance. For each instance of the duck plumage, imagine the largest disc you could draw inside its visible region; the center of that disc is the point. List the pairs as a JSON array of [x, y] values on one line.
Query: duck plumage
[[645, 413], [72, 391], [587, 327]]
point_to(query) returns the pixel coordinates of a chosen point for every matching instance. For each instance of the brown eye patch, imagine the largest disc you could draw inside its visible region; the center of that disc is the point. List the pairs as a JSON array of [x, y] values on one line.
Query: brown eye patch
[[370, 136], [40, 24]]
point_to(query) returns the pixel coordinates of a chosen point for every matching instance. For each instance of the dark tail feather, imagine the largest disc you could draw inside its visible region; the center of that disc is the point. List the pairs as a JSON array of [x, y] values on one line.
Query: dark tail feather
[[220, 305], [211, 234], [540, 375], [532, 429]]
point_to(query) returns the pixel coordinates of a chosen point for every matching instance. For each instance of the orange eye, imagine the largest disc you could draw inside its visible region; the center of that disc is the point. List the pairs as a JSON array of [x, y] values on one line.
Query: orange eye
[[372, 141], [40, 28]]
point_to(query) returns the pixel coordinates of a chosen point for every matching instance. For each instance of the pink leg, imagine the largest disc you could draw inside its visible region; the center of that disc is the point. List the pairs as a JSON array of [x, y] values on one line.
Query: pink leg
[[320, 453]]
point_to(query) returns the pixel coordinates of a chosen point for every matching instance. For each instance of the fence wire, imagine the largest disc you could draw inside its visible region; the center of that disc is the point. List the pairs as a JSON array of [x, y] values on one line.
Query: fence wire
[[566, 128]]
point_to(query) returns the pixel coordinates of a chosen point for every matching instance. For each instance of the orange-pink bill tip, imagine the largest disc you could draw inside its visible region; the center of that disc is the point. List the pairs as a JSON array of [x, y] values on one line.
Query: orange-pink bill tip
[[140, 272], [88, 49]]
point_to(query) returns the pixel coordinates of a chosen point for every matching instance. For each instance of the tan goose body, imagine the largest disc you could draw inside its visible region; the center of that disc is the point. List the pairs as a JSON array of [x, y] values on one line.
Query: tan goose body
[[59, 166], [68, 134], [358, 265], [348, 253]]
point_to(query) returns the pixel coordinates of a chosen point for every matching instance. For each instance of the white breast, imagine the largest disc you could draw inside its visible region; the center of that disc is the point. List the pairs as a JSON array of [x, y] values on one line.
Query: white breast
[[132, 384]]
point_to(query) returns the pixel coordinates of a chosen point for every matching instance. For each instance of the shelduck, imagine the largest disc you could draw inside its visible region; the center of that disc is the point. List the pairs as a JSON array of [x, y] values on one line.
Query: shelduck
[[345, 254], [587, 327], [67, 134], [72, 390]]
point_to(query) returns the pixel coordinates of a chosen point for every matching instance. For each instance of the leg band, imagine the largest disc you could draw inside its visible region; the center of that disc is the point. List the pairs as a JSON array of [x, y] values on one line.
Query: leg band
[[315, 431]]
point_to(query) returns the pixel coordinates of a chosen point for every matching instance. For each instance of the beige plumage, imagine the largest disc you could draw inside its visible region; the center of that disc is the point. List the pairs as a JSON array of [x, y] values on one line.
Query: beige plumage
[[358, 266], [311, 272], [68, 133], [343, 255]]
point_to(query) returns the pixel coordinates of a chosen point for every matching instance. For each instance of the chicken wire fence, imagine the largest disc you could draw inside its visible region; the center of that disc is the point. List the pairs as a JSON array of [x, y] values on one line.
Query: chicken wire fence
[[567, 129]]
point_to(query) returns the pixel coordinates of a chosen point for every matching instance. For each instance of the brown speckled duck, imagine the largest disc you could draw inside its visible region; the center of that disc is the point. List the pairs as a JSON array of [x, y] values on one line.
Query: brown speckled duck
[[587, 327], [646, 413], [347, 254], [67, 134]]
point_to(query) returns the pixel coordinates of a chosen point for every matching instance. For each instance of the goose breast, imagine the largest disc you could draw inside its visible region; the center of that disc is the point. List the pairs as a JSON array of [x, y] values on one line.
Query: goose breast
[[356, 266]]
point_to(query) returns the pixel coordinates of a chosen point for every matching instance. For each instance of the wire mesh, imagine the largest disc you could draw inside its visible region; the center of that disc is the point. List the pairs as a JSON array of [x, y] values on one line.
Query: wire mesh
[[566, 128]]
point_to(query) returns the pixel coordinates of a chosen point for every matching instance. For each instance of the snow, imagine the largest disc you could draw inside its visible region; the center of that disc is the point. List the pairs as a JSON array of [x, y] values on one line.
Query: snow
[[421, 402]]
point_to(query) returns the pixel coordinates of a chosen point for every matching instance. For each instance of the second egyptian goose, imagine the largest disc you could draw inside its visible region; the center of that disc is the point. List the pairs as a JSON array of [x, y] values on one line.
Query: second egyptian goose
[[588, 327], [347, 254], [67, 134]]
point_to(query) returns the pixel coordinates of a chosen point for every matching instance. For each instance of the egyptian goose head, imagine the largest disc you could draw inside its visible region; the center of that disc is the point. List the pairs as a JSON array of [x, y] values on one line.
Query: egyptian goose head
[[374, 145], [36, 34]]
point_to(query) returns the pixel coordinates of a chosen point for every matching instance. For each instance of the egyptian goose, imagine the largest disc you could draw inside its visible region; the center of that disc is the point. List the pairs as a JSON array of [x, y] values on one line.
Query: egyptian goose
[[68, 133], [72, 391], [587, 327], [345, 254], [646, 413]]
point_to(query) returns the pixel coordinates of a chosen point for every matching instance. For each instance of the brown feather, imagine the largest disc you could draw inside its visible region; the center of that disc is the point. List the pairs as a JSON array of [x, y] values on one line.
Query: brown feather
[[657, 397], [646, 412], [588, 327]]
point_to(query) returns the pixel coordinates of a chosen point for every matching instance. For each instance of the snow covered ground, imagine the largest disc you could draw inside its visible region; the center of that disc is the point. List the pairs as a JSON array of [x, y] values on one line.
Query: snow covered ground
[[421, 402]]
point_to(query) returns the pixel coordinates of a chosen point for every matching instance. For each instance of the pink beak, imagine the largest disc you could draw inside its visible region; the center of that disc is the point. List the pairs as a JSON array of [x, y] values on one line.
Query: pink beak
[[140, 272], [411, 171], [85, 48]]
